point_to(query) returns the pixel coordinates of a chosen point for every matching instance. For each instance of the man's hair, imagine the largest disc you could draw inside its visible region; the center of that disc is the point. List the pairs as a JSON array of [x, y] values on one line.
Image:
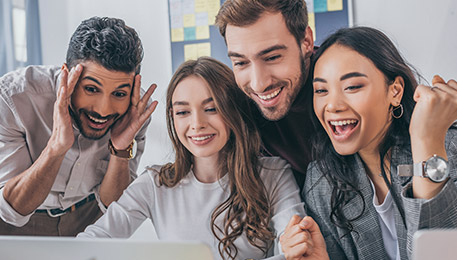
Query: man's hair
[[108, 42], [247, 12]]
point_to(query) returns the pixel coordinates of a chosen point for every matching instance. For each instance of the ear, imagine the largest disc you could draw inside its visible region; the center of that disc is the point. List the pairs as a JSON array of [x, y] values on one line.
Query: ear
[[396, 90], [307, 44]]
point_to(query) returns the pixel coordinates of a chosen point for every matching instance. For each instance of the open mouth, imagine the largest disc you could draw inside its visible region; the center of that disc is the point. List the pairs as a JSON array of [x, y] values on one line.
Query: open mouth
[[202, 139], [271, 95], [97, 123], [343, 127]]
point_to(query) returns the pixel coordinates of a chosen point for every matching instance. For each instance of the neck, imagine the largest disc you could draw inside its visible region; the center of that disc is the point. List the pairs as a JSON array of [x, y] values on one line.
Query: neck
[[206, 169]]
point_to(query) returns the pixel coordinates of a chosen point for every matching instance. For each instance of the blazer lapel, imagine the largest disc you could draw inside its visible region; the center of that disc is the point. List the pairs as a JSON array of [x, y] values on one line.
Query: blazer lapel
[[367, 237]]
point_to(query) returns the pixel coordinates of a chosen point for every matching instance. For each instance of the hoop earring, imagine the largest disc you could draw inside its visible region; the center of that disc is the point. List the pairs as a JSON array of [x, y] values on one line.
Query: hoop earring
[[395, 109]]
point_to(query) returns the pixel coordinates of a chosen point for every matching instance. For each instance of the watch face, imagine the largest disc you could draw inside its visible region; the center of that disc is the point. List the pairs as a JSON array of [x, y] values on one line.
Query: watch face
[[437, 168]]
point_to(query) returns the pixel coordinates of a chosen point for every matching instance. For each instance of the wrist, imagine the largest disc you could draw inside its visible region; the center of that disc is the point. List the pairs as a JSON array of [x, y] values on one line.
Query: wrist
[[128, 153]]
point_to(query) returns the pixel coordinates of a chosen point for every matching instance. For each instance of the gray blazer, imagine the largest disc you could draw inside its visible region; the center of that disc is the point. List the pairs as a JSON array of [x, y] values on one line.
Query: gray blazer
[[365, 242]]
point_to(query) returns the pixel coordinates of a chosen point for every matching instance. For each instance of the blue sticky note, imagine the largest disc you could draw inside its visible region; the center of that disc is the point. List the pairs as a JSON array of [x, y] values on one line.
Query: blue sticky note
[[190, 34], [320, 6]]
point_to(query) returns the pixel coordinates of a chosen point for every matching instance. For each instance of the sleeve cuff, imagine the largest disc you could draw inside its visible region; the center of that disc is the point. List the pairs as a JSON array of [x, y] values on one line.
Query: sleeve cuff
[[11, 216]]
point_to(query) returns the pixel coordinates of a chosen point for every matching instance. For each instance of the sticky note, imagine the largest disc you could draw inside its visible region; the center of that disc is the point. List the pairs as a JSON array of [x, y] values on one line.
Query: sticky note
[[189, 34], [202, 32], [177, 34], [335, 5]]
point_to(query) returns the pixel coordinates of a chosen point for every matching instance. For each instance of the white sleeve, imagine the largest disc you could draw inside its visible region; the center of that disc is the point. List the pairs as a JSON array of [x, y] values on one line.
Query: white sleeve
[[124, 216], [284, 196]]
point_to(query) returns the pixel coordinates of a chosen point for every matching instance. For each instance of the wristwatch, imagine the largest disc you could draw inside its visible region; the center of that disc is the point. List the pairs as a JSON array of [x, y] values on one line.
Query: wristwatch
[[436, 168], [128, 153]]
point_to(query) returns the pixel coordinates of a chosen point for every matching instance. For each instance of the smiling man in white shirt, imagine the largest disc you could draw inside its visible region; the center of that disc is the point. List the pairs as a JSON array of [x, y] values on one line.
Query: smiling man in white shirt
[[71, 137]]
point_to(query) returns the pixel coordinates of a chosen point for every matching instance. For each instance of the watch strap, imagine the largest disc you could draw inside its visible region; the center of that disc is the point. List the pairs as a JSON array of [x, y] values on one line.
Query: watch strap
[[126, 153], [416, 169]]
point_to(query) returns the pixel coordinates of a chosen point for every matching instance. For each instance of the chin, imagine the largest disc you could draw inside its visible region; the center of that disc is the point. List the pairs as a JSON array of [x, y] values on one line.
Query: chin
[[343, 150], [93, 134]]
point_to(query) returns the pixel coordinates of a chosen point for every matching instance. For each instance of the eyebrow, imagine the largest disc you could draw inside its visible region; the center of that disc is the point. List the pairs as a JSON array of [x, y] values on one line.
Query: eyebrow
[[185, 103], [126, 85], [344, 77], [260, 53]]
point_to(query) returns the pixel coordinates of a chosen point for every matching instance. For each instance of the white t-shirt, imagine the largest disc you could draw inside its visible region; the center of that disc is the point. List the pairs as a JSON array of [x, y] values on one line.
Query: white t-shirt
[[184, 211], [387, 223]]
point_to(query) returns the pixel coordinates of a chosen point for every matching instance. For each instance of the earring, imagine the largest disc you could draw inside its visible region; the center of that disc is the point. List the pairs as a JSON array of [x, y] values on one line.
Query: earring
[[394, 115]]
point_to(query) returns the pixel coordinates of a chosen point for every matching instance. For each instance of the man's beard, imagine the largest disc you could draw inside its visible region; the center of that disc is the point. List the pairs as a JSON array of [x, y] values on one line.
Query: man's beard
[[275, 113], [93, 134]]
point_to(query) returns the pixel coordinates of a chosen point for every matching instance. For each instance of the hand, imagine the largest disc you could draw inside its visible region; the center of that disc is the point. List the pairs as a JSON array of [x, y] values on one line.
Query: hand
[[125, 129], [302, 239], [434, 113], [62, 136]]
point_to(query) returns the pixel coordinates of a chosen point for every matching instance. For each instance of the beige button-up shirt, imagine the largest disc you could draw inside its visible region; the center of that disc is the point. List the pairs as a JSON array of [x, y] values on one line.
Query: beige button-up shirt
[[27, 98]]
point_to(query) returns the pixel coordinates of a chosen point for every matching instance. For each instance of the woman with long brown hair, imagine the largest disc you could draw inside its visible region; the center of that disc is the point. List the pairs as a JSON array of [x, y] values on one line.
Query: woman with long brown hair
[[218, 190]]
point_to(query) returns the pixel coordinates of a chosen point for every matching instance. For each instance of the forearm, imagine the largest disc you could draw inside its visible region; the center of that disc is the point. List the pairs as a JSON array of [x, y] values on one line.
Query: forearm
[[116, 180], [28, 190]]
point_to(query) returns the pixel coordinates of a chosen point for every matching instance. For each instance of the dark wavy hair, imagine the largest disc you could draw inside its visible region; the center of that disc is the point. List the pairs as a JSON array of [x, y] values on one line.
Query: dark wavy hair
[[247, 209], [377, 47], [246, 12], [107, 41]]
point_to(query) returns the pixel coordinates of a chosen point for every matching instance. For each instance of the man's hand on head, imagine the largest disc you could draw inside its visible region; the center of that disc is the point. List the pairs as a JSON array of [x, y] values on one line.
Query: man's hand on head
[[125, 129], [62, 137]]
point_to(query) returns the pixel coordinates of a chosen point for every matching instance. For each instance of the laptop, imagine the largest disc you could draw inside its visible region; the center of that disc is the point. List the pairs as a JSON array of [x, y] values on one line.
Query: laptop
[[58, 248], [435, 244]]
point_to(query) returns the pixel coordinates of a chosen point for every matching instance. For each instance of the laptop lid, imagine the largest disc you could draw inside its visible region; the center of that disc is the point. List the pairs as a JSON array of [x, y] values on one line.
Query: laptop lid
[[435, 244], [58, 248]]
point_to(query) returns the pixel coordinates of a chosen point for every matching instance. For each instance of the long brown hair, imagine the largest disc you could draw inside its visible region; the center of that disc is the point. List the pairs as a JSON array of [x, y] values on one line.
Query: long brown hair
[[247, 209]]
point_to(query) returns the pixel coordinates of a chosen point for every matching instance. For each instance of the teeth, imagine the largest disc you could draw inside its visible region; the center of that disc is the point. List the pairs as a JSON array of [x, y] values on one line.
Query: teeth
[[96, 120], [343, 122], [270, 96], [201, 138]]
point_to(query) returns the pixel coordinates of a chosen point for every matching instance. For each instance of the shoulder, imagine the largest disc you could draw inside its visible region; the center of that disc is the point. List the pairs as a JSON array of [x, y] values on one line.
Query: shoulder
[[275, 171], [36, 79], [316, 185]]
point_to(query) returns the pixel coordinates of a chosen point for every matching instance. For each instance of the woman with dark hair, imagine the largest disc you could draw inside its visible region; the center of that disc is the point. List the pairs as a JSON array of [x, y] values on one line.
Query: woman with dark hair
[[372, 117], [218, 190]]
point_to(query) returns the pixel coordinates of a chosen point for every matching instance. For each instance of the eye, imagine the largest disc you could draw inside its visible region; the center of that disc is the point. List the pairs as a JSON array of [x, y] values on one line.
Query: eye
[[211, 110], [239, 63], [272, 58], [181, 113], [320, 91], [119, 94], [90, 89], [354, 87]]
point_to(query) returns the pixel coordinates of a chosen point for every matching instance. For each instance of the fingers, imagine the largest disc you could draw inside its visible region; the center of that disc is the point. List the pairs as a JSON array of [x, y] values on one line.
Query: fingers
[[148, 112], [75, 73], [437, 79], [144, 100], [68, 82], [295, 241], [295, 219], [136, 90]]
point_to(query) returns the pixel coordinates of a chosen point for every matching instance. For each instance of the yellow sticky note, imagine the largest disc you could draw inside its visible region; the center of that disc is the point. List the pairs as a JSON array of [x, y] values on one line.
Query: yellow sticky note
[[190, 52], [204, 49], [177, 34], [189, 20], [213, 6], [202, 32], [201, 6], [312, 24], [334, 5]]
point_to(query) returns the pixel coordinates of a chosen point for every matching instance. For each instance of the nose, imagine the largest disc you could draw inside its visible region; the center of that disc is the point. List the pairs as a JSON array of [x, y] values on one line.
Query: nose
[[198, 121], [104, 107], [335, 103], [260, 78]]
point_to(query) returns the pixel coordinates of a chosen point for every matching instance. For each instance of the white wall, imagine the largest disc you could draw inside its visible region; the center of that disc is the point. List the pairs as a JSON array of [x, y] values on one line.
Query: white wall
[[425, 32]]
